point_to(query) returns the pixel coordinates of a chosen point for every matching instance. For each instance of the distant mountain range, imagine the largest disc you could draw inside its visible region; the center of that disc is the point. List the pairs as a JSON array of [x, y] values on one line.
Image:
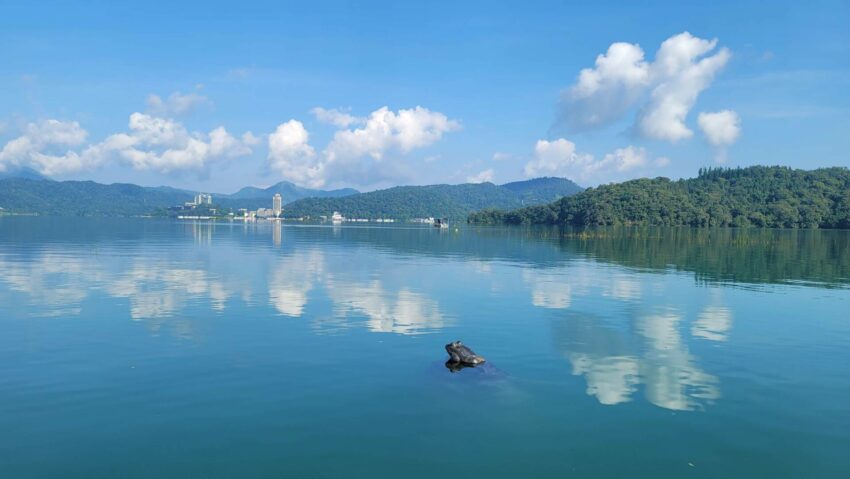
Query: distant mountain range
[[289, 192], [21, 172], [25, 191], [450, 201]]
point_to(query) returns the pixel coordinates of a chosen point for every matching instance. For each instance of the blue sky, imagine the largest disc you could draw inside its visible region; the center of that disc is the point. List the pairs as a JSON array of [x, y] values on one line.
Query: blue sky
[[498, 88]]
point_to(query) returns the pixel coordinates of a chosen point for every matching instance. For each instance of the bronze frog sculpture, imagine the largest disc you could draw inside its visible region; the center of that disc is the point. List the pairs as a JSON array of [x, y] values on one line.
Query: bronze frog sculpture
[[460, 355]]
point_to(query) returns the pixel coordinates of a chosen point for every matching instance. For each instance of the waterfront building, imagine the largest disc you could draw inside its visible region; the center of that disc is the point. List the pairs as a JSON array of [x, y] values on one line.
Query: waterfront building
[[277, 205]]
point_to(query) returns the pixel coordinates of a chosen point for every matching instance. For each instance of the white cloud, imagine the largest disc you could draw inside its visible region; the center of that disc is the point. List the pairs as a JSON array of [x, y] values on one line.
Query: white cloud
[[681, 71], [386, 131], [176, 104], [501, 156], [359, 155], [621, 78], [164, 145], [291, 155], [46, 146], [604, 93], [485, 176], [560, 158], [336, 117], [721, 128]]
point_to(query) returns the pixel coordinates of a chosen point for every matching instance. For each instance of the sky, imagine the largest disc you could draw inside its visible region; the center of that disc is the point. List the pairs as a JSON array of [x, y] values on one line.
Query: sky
[[214, 96]]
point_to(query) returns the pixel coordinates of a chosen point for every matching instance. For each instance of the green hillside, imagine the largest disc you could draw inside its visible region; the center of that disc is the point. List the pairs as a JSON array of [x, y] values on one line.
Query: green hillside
[[450, 201], [84, 198], [773, 197]]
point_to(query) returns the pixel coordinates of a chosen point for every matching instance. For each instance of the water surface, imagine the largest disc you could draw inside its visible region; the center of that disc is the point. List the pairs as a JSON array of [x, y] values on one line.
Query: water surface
[[144, 348]]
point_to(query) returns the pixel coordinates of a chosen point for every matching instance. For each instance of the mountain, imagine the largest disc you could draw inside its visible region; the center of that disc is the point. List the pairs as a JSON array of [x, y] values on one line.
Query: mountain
[[773, 197], [85, 198], [544, 189], [289, 192], [21, 172], [450, 201]]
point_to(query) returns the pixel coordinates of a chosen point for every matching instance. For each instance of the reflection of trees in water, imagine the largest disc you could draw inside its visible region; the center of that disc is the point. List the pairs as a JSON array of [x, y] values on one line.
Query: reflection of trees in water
[[741, 255], [723, 254], [719, 254]]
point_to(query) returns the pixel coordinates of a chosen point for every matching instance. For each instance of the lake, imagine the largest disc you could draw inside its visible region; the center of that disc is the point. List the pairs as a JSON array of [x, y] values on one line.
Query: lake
[[149, 348]]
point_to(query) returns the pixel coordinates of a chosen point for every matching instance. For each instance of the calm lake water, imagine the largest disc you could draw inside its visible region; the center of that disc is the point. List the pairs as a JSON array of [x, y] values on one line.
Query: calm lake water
[[142, 348]]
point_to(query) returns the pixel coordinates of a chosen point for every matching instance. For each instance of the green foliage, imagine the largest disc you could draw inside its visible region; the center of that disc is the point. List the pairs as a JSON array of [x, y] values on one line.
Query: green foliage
[[85, 198], [759, 196], [450, 201]]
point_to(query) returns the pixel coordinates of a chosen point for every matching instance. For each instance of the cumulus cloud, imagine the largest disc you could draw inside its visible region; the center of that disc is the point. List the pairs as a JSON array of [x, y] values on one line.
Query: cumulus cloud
[[485, 176], [501, 156], [665, 89], [46, 147], [337, 118], [681, 71], [558, 157], [176, 104], [386, 131], [561, 158], [604, 93], [291, 155], [721, 130], [357, 155], [164, 145]]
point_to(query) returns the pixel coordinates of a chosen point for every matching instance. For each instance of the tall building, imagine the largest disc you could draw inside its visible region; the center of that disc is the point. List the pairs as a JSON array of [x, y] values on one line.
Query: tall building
[[277, 205], [203, 199]]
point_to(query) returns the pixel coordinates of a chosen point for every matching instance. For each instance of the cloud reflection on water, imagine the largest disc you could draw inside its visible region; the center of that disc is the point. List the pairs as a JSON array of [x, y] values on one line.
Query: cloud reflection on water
[[639, 344]]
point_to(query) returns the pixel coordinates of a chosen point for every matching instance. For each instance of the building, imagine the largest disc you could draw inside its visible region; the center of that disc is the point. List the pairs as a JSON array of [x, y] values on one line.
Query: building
[[277, 205], [203, 199]]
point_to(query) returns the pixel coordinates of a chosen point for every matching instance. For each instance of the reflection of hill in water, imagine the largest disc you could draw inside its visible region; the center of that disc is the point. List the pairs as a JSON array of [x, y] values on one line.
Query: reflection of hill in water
[[734, 255], [714, 255]]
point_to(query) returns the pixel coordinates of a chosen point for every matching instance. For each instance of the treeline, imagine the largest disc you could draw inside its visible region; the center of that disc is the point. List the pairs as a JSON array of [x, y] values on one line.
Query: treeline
[[85, 198], [758, 196], [450, 201]]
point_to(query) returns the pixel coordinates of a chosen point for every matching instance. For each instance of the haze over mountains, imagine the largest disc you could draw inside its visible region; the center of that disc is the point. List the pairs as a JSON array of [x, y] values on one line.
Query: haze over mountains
[[23, 192]]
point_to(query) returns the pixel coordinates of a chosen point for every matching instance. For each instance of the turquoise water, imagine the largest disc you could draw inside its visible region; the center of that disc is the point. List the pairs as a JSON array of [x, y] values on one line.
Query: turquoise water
[[142, 348]]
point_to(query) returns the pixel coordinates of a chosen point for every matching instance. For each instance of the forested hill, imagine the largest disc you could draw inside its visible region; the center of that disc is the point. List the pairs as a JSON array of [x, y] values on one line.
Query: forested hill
[[773, 197], [450, 201], [85, 198], [543, 190]]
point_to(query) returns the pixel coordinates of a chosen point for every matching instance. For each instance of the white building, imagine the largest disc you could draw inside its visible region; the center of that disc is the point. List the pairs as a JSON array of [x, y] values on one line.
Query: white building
[[277, 205], [203, 199]]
